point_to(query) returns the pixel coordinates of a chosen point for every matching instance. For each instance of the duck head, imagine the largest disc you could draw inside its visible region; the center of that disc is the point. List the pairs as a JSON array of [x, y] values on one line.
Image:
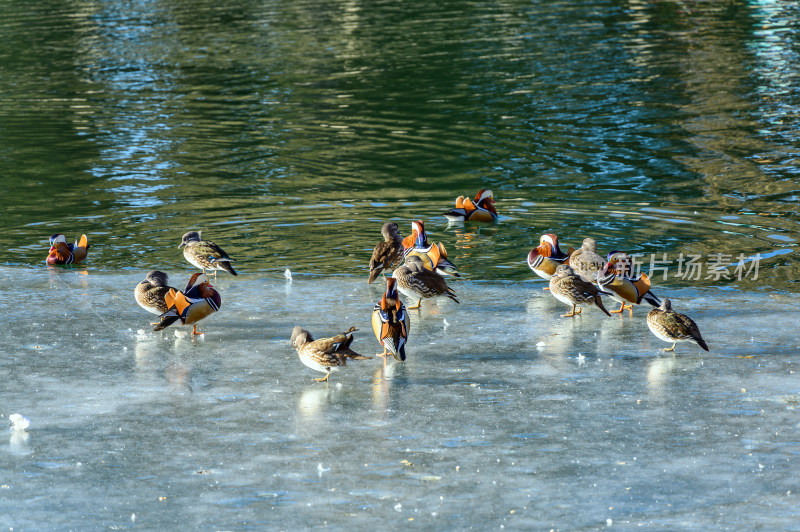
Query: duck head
[[191, 236], [300, 337], [197, 280], [418, 229], [417, 238], [414, 263], [619, 262], [589, 244], [563, 271], [156, 278], [391, 292], [389, 230], [485, 200], [548, 247]]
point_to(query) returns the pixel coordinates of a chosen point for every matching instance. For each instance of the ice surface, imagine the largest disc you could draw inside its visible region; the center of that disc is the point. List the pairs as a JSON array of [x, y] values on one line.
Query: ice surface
[[482, 426]]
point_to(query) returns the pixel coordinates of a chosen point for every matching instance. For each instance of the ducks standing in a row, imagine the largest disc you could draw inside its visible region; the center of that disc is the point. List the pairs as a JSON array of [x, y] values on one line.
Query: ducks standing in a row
[[582, 276]]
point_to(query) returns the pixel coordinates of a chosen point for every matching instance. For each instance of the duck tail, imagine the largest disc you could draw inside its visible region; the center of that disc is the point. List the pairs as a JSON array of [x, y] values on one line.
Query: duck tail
[[401, 353], [702, 343], [599, 302], [652, 299], [374, 271], [352, 355], [167, 319], [226, 265], [372, 276]]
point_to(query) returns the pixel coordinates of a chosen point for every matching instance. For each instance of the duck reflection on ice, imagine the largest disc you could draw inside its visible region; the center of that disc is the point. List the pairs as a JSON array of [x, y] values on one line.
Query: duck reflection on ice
[[314, 400], [179, 377], [20, 438], [662, 368], [384, 380]]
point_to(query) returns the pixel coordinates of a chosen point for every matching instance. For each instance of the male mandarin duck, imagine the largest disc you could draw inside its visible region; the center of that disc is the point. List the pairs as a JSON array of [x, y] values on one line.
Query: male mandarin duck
[[205, 254], [416, 282], [433, 256], [151, 292], [674, 327], [387, 254], [585, 261], [571, 289], [545, 258], [623, 265], [481, 209], [390, 322], [198, 300], [617, 278], [326, 354], [63, 253]]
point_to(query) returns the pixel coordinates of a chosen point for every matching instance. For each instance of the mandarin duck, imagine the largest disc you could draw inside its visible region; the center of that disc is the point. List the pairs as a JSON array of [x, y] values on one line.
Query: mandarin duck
[[416, 282], [623, 265], [326, 354], [387, 254], [585, 261], [205, 254], [617, 278], [150, 293], [197, 301], [573, 290], [63, 253], [545, 258], [481, 209], [433, 256], [390, 323], [674, 327]]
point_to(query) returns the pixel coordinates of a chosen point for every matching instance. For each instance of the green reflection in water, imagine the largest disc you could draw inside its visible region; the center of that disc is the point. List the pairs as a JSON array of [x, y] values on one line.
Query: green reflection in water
[[289, 132]]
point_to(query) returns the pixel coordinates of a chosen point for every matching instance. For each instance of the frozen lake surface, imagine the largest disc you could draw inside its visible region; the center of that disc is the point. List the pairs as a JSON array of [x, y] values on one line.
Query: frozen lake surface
[[289, 133], [504, 415]]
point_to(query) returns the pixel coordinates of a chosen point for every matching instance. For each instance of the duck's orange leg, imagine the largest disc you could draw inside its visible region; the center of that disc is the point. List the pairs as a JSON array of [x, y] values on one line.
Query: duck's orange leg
[[621, 308]]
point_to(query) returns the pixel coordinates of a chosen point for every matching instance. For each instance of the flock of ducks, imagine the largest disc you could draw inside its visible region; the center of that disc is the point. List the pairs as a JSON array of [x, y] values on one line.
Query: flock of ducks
[[419, 270], [582, 276]]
